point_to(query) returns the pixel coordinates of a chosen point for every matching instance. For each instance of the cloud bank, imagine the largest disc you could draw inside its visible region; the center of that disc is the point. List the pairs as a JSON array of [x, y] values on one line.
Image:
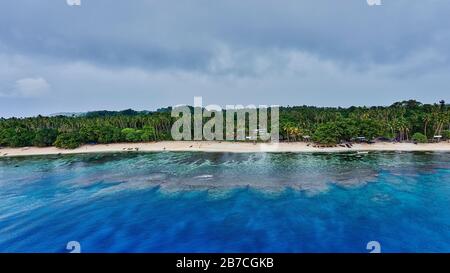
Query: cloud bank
[[147, 54]]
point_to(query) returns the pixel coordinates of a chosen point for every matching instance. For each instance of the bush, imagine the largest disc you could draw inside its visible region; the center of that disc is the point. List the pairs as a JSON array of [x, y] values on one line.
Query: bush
[[369, 129], [109, 134], [16, 137], [420, 138], [328, 133], [148, 133], [446, 134], [132, 135], [89, 134], [68, 141], [6, 136], [45, 137]]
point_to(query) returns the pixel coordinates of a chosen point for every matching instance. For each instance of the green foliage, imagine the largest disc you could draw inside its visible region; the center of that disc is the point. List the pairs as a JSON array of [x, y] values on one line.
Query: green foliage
[[419, 137], [369, 129], [328, 133], [89, 134], [6, 137], [348, 129], [68, 141], [109, 134], [133, 135], [16, 137], [148, 134], [292, 131], [45, 137], [100, 134], [328, 125], [345, 130]]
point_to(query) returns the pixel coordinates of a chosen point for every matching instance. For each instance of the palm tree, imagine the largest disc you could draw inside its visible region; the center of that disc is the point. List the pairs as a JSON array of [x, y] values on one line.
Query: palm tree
[[426, 119]]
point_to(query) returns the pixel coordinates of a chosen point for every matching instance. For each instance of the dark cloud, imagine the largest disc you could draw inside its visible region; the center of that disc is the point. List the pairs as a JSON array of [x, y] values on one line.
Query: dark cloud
[[183, 34], [297, 47]]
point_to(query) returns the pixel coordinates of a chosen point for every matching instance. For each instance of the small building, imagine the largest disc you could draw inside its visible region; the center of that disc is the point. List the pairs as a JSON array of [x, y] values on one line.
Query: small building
[[307, 138], [360, 139], [437, 138], [255, 134]]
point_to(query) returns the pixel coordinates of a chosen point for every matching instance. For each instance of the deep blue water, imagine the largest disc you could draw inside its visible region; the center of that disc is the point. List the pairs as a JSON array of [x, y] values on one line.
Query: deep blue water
[[220, 202]]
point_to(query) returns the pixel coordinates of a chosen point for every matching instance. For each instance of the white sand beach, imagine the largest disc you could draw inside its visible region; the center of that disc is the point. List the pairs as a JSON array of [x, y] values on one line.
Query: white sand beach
[[223, 146]]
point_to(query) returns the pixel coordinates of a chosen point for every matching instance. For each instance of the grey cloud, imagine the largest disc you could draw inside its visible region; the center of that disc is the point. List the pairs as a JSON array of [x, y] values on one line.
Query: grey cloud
[[184, 34], [145, 54], [304, 79]]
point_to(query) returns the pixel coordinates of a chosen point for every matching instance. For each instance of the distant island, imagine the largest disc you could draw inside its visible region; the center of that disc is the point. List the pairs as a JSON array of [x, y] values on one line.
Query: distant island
[[409, 122]]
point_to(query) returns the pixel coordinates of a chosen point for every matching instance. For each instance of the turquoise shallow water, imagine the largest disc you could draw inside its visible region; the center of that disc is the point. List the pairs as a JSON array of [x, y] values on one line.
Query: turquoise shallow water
[[221, 202]]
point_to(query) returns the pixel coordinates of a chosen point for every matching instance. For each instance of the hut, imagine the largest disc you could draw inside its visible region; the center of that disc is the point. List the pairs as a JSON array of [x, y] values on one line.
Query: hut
[[360, 139], [437, 138]]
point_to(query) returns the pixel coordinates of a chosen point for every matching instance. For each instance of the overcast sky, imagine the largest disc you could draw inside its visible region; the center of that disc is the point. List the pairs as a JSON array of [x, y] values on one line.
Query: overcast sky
[[147, 54]]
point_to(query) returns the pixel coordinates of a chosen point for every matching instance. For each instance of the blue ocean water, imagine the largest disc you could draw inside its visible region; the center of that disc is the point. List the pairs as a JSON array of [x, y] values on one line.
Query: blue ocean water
[[222, 202]]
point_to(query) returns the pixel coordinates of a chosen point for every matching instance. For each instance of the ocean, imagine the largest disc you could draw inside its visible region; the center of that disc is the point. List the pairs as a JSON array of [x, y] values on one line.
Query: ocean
[[173, 202]]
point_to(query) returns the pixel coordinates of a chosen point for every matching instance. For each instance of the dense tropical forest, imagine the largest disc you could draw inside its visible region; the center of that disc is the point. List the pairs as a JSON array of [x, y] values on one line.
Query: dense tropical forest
[[402, 121]]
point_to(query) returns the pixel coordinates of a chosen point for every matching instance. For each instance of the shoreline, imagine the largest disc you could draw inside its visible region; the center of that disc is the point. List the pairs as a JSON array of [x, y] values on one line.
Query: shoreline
[[223, 146]]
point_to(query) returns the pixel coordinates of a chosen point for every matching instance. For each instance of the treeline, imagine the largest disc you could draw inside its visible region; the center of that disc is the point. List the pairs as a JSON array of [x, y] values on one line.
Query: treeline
[[92, 128], [402, 121]]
